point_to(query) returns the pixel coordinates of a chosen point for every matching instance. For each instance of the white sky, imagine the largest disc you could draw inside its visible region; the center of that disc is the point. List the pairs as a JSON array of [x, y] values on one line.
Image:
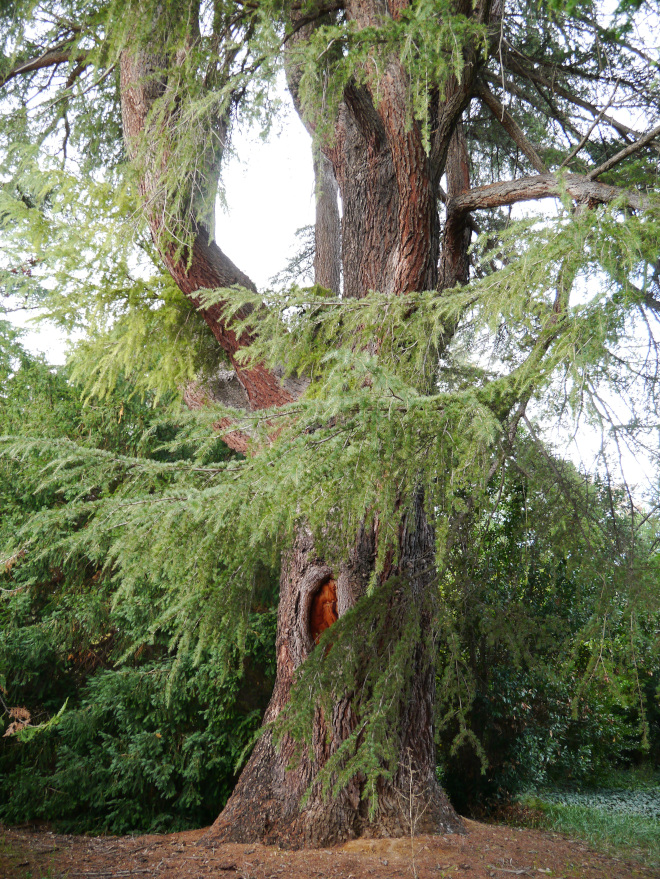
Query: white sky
[[269, 194]]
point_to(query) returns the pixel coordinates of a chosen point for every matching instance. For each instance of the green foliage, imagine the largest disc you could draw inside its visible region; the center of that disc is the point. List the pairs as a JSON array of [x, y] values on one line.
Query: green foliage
[[549, 667], [543, 598], [123, 734], [143, 748], [382, 415], [78, 253], [386, 417]]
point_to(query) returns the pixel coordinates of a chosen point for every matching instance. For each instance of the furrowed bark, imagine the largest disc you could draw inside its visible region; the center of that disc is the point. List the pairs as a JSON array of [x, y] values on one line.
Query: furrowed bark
[[265, 805], [455, 262], [390, 243], [327, 230], [204, 266]]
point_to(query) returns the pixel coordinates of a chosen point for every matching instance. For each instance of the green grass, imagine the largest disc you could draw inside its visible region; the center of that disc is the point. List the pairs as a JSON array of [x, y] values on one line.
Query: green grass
[[627, 834]]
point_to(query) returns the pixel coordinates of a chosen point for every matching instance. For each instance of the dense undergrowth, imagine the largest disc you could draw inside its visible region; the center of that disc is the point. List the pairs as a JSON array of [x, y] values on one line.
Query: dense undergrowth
[[149, 738]]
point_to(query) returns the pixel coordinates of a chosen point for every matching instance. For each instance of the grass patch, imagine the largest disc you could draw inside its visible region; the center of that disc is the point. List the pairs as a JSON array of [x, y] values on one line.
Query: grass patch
[[622, 833]]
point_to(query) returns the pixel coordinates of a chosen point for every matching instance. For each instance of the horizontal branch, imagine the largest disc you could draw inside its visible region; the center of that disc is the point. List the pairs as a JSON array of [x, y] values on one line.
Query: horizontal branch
[[50, 58], [580, 188]]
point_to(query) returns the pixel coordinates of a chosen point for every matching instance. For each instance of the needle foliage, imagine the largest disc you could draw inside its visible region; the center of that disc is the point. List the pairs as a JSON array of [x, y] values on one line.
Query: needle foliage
[[127, 524]]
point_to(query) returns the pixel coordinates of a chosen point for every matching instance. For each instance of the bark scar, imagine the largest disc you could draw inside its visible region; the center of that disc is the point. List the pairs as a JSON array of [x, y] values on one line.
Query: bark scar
[[323, 612], [313, 581]]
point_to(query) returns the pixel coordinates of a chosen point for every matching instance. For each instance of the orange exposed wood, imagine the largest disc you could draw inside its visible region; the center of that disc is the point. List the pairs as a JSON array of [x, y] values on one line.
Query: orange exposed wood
[[323, 612]]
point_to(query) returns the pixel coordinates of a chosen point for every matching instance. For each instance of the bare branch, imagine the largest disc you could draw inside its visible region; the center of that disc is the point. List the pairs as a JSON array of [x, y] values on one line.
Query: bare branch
[[537, 78], [579, 187], [573, 153], [510, 125], [624, 153]]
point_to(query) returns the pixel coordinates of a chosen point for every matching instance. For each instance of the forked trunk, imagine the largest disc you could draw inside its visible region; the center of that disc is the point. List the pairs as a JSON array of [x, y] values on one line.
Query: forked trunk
[[266, 803]]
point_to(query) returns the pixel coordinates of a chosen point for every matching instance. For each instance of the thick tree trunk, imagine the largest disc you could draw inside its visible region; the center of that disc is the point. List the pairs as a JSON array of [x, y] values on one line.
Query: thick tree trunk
[[390, 242], [266, 803]]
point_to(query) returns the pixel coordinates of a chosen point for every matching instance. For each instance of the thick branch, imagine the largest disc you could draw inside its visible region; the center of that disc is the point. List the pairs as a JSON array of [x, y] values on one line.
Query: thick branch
[[582, 189], [327, 228], [204, 266], [457, 94], [225, 389], [511, 127], [50, 58]]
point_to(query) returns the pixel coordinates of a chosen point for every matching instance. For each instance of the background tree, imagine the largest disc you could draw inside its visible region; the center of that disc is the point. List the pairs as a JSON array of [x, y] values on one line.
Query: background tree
[[415, 376]]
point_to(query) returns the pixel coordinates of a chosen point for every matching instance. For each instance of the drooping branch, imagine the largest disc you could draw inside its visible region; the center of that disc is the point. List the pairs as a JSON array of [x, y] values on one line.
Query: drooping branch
[[541, 106], [585, 138], [579, 187], [511, 127]]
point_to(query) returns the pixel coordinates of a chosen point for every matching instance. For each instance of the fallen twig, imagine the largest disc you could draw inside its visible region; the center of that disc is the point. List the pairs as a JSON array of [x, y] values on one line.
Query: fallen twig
[[520, 872], [104, 874]]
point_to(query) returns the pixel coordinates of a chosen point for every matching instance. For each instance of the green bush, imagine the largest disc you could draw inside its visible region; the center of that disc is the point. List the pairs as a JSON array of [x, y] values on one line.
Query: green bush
[[149, 748], [542, 682], [152, 732]]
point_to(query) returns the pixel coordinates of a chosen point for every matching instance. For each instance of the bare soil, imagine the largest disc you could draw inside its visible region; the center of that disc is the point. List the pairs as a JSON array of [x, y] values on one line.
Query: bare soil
[[486, 850]]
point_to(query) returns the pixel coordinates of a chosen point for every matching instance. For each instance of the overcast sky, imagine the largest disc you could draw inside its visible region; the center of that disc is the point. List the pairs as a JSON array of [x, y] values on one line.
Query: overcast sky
[[269, 194]]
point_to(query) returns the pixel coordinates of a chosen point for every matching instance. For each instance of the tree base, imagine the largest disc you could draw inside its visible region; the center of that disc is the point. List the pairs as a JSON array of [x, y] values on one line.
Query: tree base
[[265, 808]]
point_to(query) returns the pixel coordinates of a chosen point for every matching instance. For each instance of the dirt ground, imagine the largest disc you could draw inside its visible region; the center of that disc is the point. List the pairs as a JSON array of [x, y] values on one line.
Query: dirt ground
[[486, 850]]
